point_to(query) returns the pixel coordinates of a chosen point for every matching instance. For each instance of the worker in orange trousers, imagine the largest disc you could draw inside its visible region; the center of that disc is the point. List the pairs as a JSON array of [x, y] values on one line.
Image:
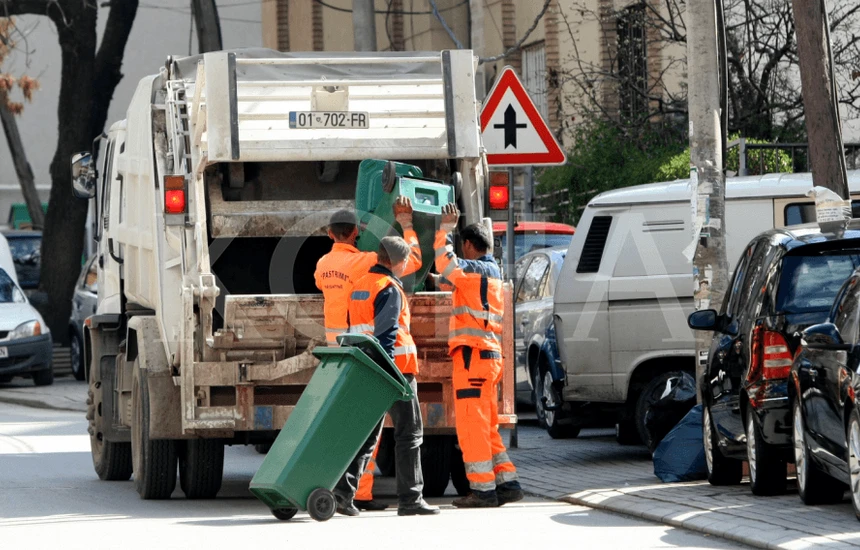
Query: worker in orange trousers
[[335, 275], [475, 344]]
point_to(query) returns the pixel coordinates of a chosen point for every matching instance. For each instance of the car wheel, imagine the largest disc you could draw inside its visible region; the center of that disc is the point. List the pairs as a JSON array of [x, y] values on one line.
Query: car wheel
[[549, 396], [721, 470], [76, 353], [650, 395], [537, 395], [767, 471], [44, 377], [853, 438], [813, 485]]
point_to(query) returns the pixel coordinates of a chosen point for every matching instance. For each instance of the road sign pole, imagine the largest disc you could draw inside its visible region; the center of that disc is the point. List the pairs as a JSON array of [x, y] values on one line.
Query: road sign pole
[[512, 275]]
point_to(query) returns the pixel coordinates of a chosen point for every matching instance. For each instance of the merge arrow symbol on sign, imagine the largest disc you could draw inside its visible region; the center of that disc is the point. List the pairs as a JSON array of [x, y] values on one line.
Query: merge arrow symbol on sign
[[510, 126]]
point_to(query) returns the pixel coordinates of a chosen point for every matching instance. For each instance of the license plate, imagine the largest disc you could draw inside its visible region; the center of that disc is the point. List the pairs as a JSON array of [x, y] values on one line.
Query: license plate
[[4, 353], [350, 120]]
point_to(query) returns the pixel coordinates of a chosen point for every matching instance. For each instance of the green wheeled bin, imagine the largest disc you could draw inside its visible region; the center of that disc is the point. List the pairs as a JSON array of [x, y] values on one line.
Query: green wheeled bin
[[353, 387]]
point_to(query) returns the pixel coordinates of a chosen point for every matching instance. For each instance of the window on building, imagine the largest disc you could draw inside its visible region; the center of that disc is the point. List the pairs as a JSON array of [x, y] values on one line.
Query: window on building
[[632, 61], [534, 76]]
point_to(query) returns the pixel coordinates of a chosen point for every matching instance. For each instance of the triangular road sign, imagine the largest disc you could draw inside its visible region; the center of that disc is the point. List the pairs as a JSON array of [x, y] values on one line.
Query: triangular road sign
[[512, 129]]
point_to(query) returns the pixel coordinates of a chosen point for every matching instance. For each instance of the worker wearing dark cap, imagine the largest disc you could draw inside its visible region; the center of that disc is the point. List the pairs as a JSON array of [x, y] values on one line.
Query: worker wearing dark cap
[[335, 275]]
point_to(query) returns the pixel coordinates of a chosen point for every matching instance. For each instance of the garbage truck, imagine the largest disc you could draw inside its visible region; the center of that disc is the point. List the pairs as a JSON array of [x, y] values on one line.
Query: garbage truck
[[212, 199]]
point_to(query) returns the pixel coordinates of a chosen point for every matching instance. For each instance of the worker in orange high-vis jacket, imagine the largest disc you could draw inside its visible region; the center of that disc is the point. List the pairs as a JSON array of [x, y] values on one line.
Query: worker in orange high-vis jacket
[[475, 344], [379, 307], [338, 270], [335, 274]]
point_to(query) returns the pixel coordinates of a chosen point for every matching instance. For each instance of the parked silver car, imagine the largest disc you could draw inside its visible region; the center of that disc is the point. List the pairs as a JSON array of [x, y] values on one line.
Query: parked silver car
[[84, 304], [539, 373]]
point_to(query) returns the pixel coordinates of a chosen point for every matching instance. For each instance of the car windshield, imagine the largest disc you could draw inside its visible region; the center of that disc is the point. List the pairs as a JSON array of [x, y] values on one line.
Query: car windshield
[[526, 242], [811, 283], [9, 291]]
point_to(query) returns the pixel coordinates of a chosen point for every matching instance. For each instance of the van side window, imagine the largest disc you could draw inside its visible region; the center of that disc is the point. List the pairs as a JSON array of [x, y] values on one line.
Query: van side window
[[797, 213], [595, 242]]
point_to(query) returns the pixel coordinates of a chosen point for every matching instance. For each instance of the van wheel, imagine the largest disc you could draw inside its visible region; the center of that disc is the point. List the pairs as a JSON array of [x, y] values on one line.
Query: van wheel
[[154, 460], [201, 468], [547, 395], [721, 470], [650, 395], [436, 464]]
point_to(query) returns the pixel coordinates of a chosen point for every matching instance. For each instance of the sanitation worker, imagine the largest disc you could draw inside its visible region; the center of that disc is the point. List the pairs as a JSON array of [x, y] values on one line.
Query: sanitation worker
[[335, 274], [378, 307], [475, 345]]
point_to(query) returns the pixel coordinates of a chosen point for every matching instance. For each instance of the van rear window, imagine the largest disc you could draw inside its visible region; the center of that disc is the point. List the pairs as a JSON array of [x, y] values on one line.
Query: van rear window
[[811, 283], [797, 213]]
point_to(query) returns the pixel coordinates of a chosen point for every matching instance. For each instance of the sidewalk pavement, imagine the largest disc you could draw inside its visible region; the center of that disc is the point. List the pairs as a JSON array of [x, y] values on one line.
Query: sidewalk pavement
[[595, 471], [65, 394]]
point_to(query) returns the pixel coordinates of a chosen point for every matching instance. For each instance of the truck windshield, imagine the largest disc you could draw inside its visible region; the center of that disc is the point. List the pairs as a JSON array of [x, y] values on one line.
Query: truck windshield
[[9, 292], [810, 283]]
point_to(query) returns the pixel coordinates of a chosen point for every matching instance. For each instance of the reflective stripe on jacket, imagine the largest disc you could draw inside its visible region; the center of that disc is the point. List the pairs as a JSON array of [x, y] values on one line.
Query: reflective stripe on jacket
[[338, 270], [378, 307], [478, 307]]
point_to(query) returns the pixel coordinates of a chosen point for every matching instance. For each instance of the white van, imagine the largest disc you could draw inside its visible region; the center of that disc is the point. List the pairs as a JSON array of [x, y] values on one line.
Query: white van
[[626, 288], [6, 261]]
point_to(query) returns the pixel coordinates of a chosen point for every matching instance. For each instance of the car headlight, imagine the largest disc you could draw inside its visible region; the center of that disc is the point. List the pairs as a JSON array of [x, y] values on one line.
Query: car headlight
[[26, 330]]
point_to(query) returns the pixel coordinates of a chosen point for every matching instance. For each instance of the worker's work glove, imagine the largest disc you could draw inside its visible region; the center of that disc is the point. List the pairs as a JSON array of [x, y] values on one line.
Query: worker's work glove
[[450, 216], [403, 212]]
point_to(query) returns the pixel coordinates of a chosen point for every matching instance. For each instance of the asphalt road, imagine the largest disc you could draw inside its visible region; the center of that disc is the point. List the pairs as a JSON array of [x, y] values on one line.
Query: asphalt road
[[51, 498]]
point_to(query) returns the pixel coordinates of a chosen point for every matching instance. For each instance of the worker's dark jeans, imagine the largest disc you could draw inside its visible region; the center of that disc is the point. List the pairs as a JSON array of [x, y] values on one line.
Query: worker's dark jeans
[[408, 436]]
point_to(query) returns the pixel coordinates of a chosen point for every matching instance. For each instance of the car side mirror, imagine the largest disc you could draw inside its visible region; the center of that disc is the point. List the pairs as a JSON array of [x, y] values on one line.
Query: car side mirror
[[705, 319], [83, 176], [824, 336]]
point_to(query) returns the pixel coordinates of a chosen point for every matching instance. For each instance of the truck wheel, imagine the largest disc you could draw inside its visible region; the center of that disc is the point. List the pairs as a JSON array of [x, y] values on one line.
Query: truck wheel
[[201, 468], [436, 464], [458, 472], [44, 377], [385, 456], [650, 395], [154, 460], [111, 459], [321, 504]]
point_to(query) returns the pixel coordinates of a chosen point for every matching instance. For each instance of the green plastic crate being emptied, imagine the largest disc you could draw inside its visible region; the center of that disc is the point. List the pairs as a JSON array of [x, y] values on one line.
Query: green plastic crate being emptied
[[351, 390]]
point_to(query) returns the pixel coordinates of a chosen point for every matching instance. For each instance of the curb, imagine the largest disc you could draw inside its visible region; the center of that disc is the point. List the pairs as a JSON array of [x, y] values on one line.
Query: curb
[[36, 403], [709, 522]]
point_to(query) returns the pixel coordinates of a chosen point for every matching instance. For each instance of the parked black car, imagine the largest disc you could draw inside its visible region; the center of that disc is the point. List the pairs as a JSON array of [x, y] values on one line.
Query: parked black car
[[823, 389], [785, 281]]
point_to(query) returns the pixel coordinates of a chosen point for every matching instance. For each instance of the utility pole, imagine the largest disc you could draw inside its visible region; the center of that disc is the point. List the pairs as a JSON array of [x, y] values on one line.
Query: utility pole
[[710, 266], [208, 25], [476, 41], [823, 128], [364, 25]]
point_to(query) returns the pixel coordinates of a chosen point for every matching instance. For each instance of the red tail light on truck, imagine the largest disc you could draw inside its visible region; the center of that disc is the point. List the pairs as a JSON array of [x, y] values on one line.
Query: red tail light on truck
[[174, 195]]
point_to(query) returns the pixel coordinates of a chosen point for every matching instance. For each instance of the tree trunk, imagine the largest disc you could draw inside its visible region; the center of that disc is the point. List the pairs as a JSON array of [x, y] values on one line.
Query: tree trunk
[[710, 264], [208, 25], [826, 152], [22, 166], [364, 25]]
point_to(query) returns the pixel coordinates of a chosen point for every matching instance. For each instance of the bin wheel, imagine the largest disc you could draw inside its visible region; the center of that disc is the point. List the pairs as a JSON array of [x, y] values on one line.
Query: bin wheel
[[321, 504], [284, 514]]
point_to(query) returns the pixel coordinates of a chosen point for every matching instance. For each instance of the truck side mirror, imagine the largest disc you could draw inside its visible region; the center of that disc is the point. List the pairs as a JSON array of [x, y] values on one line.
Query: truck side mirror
[[83, 176]]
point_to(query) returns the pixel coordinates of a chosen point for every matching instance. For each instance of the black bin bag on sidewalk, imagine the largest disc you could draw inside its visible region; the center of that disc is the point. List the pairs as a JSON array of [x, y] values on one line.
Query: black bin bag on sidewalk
[[681, 454], [675, 402]]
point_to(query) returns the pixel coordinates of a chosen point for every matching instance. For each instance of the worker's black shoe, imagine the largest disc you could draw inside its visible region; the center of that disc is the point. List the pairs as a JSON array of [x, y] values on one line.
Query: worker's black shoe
[[478, 499], [510, 491], [420, 509], [348, 510], [370, 505]]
